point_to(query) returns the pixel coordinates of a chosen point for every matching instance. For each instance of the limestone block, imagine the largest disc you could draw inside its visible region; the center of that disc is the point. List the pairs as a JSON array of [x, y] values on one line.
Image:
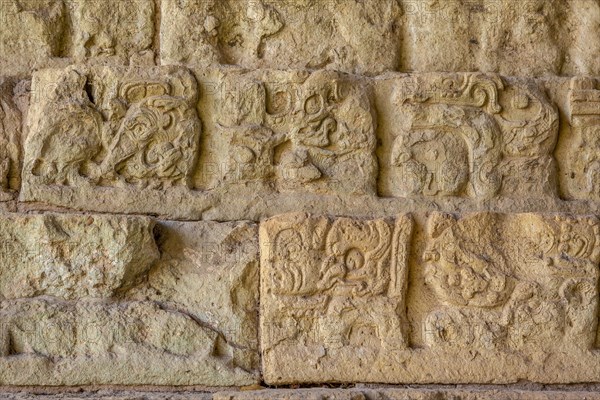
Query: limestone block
[[360, 37], [469, 135], [332, 296], [112, 139], [71, 256], [114, 300]]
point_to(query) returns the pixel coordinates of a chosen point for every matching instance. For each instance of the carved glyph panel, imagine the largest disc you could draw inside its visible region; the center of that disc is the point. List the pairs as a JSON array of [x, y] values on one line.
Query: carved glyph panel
[[505, 283], [114, 300], [471, 135], [332, 293], [582, 178], [358, 37], [299, 132]]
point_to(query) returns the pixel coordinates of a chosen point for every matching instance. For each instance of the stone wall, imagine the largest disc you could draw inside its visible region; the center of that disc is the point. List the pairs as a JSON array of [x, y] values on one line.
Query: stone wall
[[210, 197]]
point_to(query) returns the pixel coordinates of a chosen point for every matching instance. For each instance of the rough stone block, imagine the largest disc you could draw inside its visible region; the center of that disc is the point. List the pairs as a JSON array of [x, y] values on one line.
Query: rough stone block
[[10, 142], [98, 300], [361, 37], [332, 296]]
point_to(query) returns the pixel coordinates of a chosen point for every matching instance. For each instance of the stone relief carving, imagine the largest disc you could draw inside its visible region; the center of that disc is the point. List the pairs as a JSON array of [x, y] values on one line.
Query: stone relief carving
[[512, 282], [99, 130], [472, 135], [583, 178], [315, 133], [333, 288]]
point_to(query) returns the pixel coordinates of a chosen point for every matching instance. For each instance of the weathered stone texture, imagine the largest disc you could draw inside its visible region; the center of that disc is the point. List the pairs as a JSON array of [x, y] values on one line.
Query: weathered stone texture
[[96, 300], [517, 290], [45, 33], [301, 192]]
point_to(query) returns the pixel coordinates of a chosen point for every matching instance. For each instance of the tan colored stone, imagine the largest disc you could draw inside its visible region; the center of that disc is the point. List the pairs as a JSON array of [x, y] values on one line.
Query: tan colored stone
[[117, 32], [95, 300], [491, 298], [104, 136], [210, 270], [10, 142], [350, 36], [332, 296], [31, 34], [71, 256], [472, 135]]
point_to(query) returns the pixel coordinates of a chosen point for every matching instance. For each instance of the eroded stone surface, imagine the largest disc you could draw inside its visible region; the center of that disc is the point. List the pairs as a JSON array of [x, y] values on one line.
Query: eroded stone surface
[[101, 135], [471, 135], [484, 289], [332, 294], [360, 37], [96, 300], [73, 256], [10, 142], [119, 32]]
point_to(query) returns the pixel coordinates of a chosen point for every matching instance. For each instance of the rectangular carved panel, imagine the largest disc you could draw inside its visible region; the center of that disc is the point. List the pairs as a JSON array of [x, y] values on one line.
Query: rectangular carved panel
[[113, 139], [310, 132], [339, 304], [332, 295], [89, 299], [469, 135]]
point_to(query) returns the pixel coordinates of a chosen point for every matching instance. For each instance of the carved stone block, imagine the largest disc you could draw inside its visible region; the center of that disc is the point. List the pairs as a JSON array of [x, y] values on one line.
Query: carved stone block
[[10, 143], [332, 295], [582, 178], [298, 132], [121, 301], [31, 34], [470, 135], [523, 283], [103, 138], [361, 37]]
